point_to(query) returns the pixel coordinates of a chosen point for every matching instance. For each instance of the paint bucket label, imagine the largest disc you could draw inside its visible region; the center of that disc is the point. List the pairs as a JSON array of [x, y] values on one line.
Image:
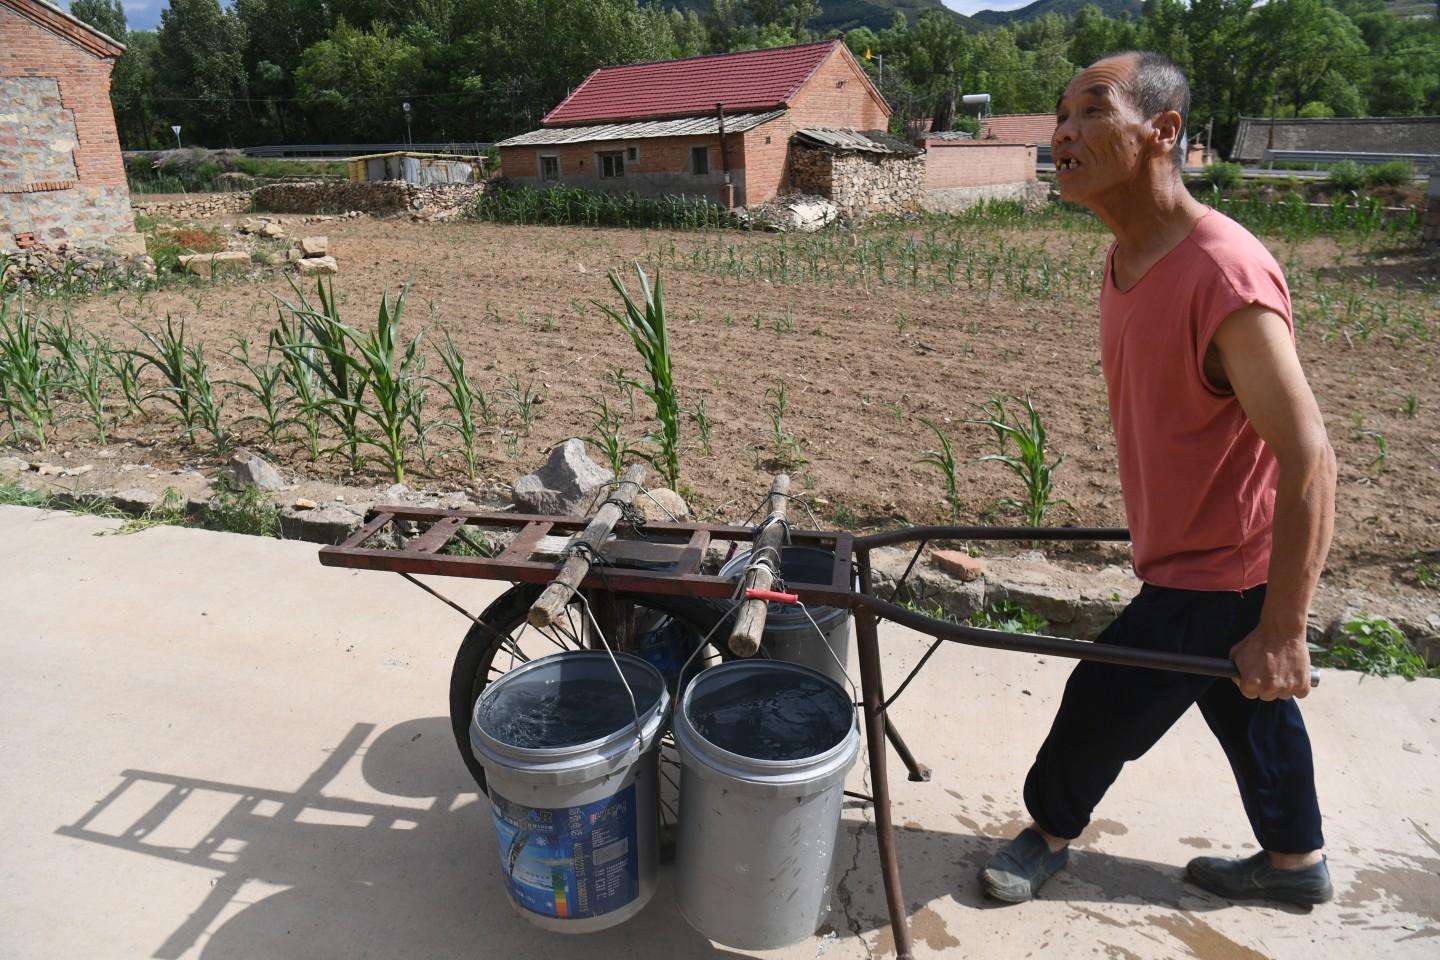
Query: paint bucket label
[[569, 862]]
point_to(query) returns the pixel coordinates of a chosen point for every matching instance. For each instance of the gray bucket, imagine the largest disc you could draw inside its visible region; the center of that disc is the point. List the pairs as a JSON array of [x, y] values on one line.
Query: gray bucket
[[574, 788], [764, 748], [789, 635]]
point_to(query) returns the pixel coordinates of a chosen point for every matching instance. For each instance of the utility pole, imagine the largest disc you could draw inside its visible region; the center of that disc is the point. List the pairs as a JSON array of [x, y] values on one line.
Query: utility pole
[[409, 141]]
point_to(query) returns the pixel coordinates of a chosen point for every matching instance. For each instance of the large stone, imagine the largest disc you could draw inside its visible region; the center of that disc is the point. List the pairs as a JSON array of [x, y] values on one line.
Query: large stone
[[209, 264], [317, 266], [663, 505], [327, 525], [247, 469], [272, 231], [1078, 604], [12, 467], [566, 484], [314, 246]]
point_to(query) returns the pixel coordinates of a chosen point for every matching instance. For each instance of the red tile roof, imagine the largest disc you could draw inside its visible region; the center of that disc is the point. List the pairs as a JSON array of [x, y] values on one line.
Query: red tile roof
[[1036, 128], [753, 80]]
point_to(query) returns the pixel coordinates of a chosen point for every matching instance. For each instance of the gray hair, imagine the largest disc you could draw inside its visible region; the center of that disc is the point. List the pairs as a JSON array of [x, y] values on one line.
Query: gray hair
[[1159, 86]]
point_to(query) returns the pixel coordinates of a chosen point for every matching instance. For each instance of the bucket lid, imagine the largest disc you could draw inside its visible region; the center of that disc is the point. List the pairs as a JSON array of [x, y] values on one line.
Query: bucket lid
[[768, 721], [569, 713]]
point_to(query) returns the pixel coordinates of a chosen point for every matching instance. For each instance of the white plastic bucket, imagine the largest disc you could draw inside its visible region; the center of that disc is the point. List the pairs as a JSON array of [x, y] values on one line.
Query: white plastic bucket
[[574, 795], [789, 634], [765, 747]]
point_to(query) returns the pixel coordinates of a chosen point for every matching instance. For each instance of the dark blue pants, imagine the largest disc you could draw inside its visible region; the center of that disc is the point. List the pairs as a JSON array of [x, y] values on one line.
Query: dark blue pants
[[1111, 715]]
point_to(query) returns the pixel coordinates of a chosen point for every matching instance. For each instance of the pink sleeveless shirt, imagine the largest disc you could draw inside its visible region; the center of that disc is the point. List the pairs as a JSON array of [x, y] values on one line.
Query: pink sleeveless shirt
[[1198, 482]]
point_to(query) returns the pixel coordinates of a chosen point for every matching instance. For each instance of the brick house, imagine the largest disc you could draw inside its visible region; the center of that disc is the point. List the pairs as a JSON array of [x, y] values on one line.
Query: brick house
[[1395, 135], [655, 128], [1025, 129], [61, 176]]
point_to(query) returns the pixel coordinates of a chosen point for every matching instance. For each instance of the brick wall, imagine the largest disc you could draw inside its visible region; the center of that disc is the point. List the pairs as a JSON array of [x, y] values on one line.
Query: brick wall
[[661, 166], [976, 163], [837, 95], [55, 117]]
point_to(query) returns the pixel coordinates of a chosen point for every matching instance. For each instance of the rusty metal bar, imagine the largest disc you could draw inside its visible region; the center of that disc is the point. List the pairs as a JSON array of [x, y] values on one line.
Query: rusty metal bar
[[890, 537], [434, 539]]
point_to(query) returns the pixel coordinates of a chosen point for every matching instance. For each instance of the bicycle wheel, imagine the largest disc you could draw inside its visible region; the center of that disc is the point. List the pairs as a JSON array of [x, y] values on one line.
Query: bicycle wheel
[[503, 639]]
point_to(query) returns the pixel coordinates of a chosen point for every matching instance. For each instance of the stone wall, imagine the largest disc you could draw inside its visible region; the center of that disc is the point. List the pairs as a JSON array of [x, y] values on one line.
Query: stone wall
[[859, 184], [1033, 194], [61, 176], [388, 196], [196, 207]]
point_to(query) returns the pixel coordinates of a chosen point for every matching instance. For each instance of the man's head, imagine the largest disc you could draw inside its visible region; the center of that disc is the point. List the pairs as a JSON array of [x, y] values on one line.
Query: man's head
[[1121, 118]]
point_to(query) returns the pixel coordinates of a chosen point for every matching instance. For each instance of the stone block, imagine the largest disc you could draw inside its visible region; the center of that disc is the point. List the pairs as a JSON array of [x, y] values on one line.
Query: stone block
[[317, 266], [247, 469], [209, 264], [313, 246], [663, 505], [127, 244], [566, 484]]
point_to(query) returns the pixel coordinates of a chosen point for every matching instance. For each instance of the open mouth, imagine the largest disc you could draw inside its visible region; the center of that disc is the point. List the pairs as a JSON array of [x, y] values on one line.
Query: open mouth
[[1067, 163]]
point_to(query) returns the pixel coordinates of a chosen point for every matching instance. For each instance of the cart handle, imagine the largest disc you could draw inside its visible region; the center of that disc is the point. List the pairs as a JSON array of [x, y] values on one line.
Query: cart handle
[[773, 596]]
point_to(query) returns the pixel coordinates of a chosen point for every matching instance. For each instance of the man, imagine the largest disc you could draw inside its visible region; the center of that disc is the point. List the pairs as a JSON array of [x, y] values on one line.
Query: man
[[1229, 488]]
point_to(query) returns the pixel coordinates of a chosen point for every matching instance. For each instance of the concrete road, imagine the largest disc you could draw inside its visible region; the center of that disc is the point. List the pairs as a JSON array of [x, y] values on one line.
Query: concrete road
[[214, 747]]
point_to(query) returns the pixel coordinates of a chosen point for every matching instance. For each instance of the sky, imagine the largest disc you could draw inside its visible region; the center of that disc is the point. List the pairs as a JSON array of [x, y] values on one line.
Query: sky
[[145, 14]]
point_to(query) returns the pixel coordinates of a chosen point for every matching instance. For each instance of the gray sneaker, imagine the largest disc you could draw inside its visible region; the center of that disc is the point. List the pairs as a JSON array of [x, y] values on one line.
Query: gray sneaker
[[1022, 866], [1253, 878]]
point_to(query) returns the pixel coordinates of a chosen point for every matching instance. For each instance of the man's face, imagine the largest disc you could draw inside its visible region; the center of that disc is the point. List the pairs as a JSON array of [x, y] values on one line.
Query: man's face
[[1099, 134]]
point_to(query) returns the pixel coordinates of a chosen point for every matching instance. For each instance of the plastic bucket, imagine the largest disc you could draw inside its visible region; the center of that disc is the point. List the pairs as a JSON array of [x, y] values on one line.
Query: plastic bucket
[[574, 787], [788, 633], [764, 747]]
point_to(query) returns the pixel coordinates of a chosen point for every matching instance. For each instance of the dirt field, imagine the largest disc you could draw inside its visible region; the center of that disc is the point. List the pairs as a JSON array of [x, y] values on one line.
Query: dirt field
[[997, 310]]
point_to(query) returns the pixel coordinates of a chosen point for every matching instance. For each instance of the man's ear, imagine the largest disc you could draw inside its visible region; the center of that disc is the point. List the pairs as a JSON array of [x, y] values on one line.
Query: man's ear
[[1167, 131]]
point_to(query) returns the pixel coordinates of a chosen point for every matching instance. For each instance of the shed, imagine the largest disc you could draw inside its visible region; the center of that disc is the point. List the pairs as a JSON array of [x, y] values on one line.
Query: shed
[[423, 169], [61, 176]]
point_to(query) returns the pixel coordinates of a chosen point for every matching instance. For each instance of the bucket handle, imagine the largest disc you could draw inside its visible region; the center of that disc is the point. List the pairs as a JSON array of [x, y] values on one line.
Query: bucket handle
[[634, 706], [793, 599]]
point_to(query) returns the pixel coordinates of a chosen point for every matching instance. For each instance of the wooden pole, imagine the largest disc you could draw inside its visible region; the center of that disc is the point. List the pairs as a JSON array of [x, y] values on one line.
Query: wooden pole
[[750, 623], [549, 609]]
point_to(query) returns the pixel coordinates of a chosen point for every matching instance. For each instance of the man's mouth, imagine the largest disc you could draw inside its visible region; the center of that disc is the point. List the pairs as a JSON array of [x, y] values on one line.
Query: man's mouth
[[1067, 163]]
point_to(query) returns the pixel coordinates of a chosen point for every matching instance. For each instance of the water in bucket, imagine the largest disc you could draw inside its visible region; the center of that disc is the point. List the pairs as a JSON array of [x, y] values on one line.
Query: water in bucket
[[774, 716]]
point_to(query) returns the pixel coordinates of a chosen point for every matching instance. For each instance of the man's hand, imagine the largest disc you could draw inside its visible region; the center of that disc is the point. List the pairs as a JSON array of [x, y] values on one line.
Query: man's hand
[[1273, 665]]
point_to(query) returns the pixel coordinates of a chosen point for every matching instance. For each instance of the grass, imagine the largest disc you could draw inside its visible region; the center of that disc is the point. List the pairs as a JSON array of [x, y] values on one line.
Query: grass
[[243, 510], [1374, 645], [573, 206]]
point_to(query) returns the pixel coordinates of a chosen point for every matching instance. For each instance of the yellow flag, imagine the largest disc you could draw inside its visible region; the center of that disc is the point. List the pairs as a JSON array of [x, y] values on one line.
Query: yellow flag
[[867, 53]]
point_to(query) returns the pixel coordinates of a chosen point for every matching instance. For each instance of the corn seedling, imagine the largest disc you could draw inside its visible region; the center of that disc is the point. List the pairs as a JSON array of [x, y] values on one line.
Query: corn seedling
[[265, 387], [126, 368], [1381, 457], [206, 400], [1030, 464], [27, 380], [1410, 405], [298, 371], [393, 372], [943, 459], [701, 419], [167, 354], [88, 380], [526, 399], [626, 384], [324, 347], [787, 451], [462, 393], [646, 327]]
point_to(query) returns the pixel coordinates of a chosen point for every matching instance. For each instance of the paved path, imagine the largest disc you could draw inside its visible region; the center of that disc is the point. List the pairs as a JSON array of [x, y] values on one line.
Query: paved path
[[214, 747]]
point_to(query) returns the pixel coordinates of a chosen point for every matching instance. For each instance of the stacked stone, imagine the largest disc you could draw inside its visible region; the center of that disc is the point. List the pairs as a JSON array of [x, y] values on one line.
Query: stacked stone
[[217, 204], [43, 264], [860, 184]]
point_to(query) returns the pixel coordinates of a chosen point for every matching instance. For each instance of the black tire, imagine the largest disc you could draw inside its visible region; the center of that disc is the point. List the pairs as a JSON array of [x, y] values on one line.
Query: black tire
[[483, 656]]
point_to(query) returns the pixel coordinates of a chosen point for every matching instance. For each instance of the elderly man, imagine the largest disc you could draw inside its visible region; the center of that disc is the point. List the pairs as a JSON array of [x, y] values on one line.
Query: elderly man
[[1229, 488]]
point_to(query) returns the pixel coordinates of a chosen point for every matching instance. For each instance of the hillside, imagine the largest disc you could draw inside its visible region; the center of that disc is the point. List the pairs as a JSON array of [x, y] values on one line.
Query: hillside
[[1066, 8], [849, 14]]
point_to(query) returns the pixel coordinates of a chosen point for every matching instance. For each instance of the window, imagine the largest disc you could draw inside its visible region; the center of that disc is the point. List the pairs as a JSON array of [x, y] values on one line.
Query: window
[[550, 168], [612, 165], [700, 161], [632, 154]]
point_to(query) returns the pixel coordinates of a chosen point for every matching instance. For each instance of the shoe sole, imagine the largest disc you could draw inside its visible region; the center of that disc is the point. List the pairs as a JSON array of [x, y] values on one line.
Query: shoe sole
[[1295, 898]]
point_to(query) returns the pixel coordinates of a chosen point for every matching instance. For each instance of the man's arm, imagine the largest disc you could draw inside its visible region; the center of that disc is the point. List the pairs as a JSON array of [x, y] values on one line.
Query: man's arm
[[1258, 357]]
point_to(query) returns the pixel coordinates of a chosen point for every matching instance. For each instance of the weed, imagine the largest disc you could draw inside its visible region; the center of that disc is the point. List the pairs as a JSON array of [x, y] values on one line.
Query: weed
[[13, 495], [244, 510], [847, 519], [1009, 616], [1410, 405], [1375, 646], [168, 511]]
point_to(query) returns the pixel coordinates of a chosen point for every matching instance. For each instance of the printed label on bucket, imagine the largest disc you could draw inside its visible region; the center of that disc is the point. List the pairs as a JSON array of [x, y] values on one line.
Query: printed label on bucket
[[569, 862]]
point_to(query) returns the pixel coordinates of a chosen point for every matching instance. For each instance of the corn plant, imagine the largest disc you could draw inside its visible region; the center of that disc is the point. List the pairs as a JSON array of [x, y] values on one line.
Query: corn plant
[[462, 393], [27, 379], [607, 434], [126, 368], [943, 459], [298, 372], [321, 341], [393, 372], [526, 399], [1030, 463], [207, 402], [646, 327], [787, 451], [167, 354], [625, 384], [701, 419], [264, 387], [89, 375]]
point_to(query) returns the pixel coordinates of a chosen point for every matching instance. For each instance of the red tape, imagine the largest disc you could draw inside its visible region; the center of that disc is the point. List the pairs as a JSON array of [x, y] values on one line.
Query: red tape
[[773, 596]]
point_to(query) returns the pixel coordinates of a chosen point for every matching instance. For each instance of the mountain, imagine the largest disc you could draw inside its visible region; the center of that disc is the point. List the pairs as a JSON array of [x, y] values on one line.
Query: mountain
[[1066, 8], [848, 14]]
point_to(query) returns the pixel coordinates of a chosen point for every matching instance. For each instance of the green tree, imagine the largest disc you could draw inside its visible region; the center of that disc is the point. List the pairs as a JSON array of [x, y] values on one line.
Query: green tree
[[133, 76], [1306, 48], [1215, 31], [1093, 35], [355, 81], [199, 71]]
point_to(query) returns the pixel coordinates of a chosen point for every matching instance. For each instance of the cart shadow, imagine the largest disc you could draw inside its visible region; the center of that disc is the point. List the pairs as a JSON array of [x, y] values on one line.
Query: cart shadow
[[312, 874]]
